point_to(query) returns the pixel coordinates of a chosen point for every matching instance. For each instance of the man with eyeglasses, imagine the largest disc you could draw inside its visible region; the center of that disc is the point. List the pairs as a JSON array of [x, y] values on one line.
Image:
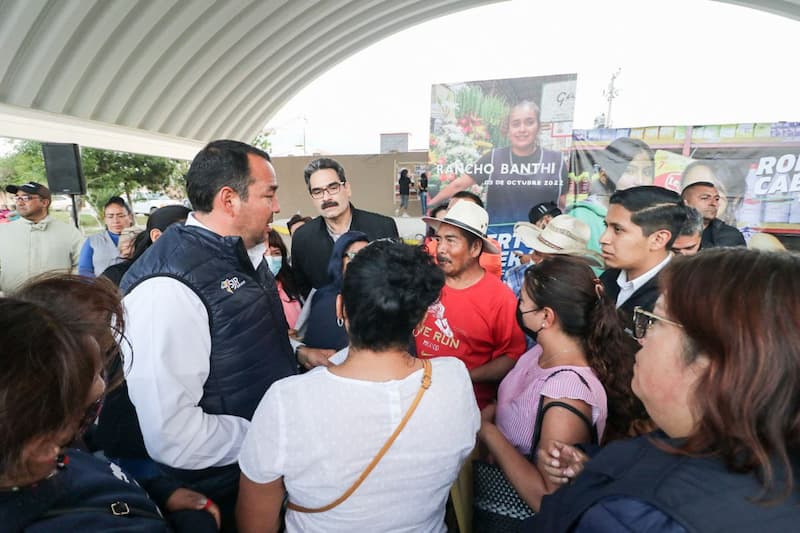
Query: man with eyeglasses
[[36, 242], [312, 243], [703, 196]]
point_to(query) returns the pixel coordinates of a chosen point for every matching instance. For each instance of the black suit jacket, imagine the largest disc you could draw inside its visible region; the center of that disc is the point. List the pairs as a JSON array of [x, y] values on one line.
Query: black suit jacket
[[645, 296], [312, 245], [718, 233]]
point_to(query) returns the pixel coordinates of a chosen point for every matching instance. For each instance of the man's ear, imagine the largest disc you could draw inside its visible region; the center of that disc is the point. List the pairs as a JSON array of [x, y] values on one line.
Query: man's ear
[[476, 248], [227, 201], [659, 239]]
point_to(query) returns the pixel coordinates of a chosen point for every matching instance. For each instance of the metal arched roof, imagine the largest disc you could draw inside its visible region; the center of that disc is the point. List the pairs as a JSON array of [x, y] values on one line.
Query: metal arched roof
[[185, 71], [165, 76]]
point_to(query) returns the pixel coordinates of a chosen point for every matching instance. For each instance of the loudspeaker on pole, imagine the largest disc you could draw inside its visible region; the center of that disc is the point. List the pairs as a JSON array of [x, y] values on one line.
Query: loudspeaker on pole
[[62, 163]]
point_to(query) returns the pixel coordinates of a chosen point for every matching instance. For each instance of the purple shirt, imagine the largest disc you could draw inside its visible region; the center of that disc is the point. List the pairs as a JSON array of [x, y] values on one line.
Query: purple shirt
[[518, 396]]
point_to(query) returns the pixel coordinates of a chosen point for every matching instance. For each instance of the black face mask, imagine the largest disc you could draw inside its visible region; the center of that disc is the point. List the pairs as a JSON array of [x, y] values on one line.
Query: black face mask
[[525, 329]]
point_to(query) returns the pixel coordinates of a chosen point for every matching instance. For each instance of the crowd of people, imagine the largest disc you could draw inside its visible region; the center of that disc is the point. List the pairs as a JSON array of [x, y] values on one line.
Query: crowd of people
[[642, 374]]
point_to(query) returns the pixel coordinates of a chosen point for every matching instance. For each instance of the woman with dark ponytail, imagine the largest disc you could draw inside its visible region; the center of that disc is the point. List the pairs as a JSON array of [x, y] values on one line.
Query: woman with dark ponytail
[[574, 384]]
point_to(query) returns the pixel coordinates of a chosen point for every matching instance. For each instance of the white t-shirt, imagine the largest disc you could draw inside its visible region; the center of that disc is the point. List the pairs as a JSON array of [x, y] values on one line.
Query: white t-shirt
[[319, 431]]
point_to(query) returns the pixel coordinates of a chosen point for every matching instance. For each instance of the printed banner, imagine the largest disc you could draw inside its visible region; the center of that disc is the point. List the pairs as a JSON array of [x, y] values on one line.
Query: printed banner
[[505, 140], [755, 167]]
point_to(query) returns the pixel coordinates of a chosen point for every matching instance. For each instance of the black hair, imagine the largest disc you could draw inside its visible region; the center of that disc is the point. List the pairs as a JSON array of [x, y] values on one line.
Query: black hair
[[616, 157], [117, 200], [653, 208], [569, 287], [160, 219], [430, 232], [696, 184], [468, 195], [220, 164], [285, 274], [323, 163], [404, 172], [297, 217], [386, 292], [538, 211]]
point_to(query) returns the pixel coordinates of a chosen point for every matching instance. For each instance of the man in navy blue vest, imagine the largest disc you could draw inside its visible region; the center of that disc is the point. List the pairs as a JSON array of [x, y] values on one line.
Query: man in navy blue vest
[[206, 327]]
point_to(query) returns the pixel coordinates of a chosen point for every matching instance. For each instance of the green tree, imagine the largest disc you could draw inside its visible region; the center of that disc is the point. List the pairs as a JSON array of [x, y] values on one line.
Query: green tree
[[107, 173], [262, 141]]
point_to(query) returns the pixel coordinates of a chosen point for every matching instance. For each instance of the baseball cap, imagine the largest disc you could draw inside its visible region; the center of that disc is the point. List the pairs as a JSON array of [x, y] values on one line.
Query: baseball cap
[[540, 210], [31, 187]]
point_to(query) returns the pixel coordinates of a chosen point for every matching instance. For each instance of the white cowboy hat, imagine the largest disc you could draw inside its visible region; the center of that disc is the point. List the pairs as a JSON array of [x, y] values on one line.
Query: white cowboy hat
[[564, 235], [469, 217]]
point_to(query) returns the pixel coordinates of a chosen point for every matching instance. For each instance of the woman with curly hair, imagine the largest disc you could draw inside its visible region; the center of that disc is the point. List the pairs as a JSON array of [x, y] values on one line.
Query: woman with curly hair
[[575, 383], [317, 434]]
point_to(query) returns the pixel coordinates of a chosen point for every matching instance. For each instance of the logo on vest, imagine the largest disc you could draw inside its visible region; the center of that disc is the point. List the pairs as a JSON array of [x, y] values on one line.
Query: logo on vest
[[231, 284]]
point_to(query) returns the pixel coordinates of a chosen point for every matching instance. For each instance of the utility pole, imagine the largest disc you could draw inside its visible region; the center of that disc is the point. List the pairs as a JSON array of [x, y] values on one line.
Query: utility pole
[[610, 93]]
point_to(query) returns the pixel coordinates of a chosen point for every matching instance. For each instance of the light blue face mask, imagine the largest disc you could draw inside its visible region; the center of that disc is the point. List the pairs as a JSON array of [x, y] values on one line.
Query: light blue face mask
[[274, 262]]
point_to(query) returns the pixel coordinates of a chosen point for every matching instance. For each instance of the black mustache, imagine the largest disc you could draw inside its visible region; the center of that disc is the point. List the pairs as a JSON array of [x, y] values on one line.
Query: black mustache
[[329, 203], [441, 259]]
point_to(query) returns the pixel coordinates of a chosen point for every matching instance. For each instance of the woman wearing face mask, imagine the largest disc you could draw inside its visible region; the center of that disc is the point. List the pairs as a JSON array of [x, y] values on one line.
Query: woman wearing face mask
[[278, 264], [574, 383], [53, 376]]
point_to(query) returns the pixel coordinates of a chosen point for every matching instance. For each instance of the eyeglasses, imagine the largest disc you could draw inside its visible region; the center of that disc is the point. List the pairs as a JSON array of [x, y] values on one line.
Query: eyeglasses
[[90, 415], [25, 198], [117, 216], [331, 189], [519, 303], [642, 320]]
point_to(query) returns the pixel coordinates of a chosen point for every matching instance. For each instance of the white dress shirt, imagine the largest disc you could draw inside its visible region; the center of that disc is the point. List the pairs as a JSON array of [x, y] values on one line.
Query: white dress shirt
[[167, 327], [627, 288]]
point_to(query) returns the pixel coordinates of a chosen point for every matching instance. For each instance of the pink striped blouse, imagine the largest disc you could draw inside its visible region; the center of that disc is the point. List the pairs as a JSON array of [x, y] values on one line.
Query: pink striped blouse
[[518, 396]]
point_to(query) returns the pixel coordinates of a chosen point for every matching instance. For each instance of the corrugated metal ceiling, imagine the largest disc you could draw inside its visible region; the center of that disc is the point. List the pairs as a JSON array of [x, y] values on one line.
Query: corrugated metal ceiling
[[193, 69], [176, 73]]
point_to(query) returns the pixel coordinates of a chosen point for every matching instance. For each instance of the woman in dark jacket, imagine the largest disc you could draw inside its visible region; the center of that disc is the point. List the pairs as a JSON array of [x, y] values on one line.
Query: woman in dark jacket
[[58, 344], [322, 329]]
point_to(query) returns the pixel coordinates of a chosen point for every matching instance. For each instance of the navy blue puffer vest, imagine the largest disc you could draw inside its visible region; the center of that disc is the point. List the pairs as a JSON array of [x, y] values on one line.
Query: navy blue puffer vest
[[249, 335], [701, 494]]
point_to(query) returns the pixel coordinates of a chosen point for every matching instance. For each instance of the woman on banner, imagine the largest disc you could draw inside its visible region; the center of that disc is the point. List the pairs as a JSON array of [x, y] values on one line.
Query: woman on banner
[[517, 176]]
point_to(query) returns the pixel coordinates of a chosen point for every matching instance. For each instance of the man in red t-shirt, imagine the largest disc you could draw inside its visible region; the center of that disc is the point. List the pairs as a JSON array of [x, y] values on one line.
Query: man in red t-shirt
[[474, 318]]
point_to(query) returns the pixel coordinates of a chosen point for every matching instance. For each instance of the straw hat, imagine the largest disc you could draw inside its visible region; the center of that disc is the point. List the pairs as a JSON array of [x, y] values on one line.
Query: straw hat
[[766, 242], [469, 217], [564, 235]]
